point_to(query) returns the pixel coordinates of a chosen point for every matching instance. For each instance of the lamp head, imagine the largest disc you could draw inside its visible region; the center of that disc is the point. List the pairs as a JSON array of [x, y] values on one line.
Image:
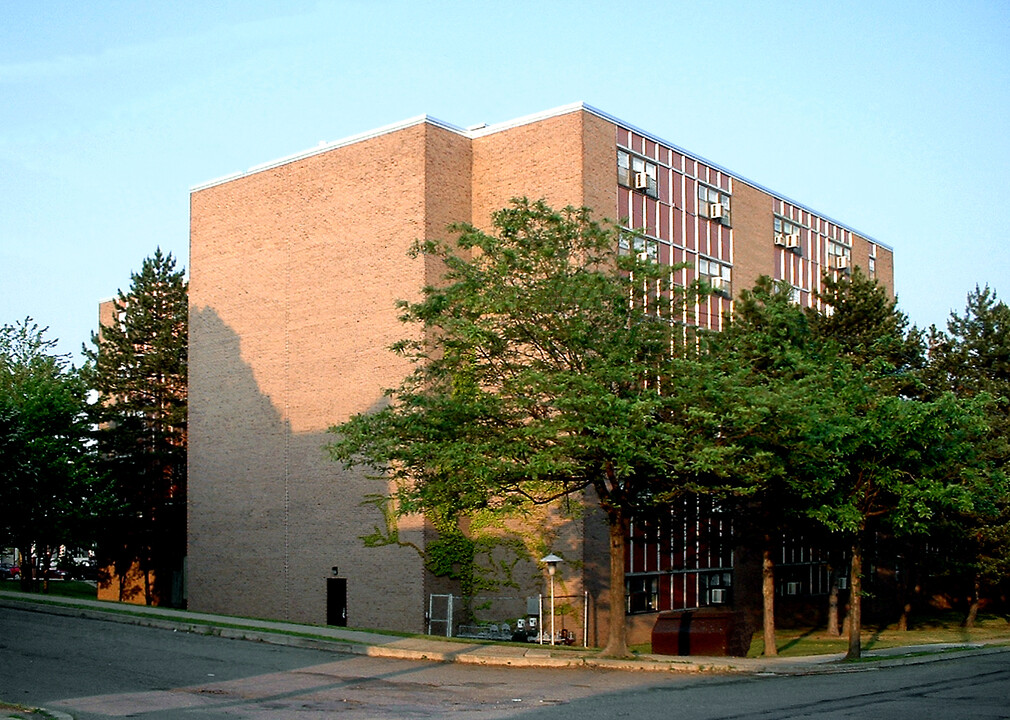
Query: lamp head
[[551, 561]]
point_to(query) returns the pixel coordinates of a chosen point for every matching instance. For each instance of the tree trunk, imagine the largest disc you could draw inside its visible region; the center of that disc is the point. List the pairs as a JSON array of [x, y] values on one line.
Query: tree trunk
[[617, 638], [969, 621], [855, 621], [832, 630], [906, 610], [906, 588], [45, 560], [147, 581], [768, 598], [25, 563]]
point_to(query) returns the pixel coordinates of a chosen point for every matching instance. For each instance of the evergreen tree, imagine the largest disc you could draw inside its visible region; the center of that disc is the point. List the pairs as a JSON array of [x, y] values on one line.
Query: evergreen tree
[[139, 370], [869, 328], [972, 360]]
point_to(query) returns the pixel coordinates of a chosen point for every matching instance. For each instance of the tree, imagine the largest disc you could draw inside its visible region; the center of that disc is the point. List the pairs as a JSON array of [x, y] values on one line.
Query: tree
[[139, 370], [770, 369], [893, 458], [870, 329], [972, 360], [47, 476], [550, 362]]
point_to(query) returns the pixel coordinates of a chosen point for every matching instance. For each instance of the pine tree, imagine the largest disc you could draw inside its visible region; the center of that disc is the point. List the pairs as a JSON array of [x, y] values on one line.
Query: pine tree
[[139, 370], [972, 360]]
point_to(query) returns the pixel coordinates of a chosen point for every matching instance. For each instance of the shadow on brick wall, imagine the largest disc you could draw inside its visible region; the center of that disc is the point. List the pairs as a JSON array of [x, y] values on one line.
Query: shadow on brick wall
[[270, 514]]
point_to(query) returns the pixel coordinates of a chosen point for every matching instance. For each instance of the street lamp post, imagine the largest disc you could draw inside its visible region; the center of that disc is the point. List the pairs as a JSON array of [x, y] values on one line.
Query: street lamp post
[[552, 561]]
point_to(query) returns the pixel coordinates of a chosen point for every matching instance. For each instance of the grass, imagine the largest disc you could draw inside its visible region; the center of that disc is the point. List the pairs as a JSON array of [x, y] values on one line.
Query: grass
[[20, 711], [927, 630], [60, 588]]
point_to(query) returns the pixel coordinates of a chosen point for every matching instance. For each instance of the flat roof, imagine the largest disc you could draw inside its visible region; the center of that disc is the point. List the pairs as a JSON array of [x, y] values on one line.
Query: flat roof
[[477, 131]]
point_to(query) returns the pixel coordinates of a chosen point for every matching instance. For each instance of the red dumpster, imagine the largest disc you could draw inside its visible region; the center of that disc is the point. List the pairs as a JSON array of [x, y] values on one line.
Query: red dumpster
[[704, 631]]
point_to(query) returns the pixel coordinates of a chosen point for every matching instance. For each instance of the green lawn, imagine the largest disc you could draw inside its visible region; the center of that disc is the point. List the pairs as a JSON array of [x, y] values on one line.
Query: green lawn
[[62, 588], [939, 628]]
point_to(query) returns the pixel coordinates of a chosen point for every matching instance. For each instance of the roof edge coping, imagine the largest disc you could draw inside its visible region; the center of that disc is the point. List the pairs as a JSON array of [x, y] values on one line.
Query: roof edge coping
[[481, 131]]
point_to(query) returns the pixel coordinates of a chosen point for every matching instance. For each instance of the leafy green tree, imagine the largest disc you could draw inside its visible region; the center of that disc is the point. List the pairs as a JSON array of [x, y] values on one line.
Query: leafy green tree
[[896, 463], [893, 458], [47, 475], [972, 360], [769, 368], [139, 369], [547, 362]]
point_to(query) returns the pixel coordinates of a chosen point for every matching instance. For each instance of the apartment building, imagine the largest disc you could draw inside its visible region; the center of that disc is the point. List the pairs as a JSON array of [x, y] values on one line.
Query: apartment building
[[296, 266]]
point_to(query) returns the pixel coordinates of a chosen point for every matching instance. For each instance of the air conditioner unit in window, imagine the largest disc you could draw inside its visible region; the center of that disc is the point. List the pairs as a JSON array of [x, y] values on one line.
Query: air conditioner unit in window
[[717, 596], [716, 211], [792, 588], [842, 262], [793, 241], [780, 239], [641, 181], [719, 284]]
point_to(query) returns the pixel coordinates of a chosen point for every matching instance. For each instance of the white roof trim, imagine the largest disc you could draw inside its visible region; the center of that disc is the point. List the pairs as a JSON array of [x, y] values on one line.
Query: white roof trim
[[326, 146], [477, 131]]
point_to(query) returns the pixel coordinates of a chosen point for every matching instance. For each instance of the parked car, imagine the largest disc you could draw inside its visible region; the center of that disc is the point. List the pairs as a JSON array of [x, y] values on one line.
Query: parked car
[[84, 571], [9, 572], [54, 573]]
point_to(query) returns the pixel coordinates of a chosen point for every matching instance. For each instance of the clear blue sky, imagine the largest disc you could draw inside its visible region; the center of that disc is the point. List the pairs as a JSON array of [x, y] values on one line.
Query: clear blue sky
[[891, 117]]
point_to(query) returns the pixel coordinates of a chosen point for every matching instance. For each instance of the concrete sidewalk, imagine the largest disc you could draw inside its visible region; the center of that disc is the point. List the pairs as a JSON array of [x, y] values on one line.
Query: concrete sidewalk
[[377, 644]]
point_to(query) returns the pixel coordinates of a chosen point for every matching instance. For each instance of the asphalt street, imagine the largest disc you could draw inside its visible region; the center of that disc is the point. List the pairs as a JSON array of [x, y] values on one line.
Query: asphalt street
[[95, 669]]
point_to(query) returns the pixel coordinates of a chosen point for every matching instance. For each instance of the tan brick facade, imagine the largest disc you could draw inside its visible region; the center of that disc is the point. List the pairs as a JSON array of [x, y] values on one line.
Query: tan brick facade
[[295, 270]]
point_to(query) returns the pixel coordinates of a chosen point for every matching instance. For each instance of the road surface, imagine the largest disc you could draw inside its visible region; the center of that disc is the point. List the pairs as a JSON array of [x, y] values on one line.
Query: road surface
[[95, 669]]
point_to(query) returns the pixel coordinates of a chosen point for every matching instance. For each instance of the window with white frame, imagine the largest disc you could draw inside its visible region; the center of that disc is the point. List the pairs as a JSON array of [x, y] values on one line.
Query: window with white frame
[[631, 241], [839, 256], [637, 173], [717, 274], [714, 204], [787, 234]]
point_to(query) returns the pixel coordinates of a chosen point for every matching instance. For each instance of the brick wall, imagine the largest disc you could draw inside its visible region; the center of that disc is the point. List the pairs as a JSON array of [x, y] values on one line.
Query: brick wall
[[295, 271], [294, 274]]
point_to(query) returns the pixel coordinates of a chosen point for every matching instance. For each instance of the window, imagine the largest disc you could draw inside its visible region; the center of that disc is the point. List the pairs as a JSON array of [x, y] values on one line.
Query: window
[[715, 588], [839, 255], [713, 204], [637, 173], [717, 274], [787, 234], [640, 243], [642, 593]]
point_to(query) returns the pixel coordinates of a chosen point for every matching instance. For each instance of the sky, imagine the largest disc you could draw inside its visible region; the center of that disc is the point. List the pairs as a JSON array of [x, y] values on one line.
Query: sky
[[891, 117]]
